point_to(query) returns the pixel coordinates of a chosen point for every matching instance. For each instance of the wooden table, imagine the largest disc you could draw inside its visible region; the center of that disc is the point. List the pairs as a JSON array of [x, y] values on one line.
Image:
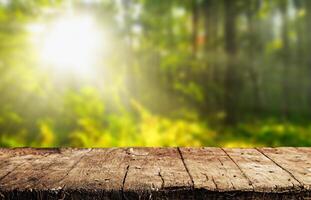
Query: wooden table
[[155, 173]]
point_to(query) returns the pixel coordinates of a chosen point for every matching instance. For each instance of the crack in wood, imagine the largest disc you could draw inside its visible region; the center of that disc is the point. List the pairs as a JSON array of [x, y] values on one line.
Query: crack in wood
[[223, 167], [243, 173], [301, 185], [206, 176], [162, 179], [232, 185], [213, 180], [185, 166], [123, 181], [222, 164], [220, 175]]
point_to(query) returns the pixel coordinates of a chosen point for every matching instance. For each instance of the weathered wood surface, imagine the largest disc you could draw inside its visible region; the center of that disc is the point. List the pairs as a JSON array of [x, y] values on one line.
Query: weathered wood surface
[[155, 173]]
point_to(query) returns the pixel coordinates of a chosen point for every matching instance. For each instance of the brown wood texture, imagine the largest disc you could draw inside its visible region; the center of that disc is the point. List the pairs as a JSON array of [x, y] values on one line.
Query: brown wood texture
[[155, 173]]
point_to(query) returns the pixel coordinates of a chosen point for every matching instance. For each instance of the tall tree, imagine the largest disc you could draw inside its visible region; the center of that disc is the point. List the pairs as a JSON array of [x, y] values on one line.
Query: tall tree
[[308, 28], [252, 8], [212, 73], [286, 60], [195, 26], [231, 76]]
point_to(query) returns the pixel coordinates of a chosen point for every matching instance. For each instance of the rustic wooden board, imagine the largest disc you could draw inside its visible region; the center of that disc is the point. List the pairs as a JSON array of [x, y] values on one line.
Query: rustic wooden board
[[155, 173], [296, 161], [100, 170], [36, 171], [264, 174], [156, 170], [12, 160], [212, 169]]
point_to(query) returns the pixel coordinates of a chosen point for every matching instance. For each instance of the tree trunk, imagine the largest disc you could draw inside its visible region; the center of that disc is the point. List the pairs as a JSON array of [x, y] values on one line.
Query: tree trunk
[[308, 49], [195, 26], [230, 100], [210, 76], [252, 49], [286, 61]]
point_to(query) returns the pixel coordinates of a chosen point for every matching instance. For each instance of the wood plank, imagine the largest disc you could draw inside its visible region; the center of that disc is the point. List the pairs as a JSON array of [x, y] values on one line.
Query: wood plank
[[6, 153], [37, 170], [264, 174], [153, 170], [213, 170], [15, 160], [154, 173], [297, 161], [102, 171]]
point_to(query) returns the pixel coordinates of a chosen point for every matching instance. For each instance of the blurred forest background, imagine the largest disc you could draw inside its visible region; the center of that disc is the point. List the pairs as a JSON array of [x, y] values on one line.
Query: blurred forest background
[[163, 73]]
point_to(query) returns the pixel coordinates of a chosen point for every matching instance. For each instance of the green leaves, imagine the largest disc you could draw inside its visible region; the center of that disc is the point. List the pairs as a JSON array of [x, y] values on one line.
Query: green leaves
[[173, 71]]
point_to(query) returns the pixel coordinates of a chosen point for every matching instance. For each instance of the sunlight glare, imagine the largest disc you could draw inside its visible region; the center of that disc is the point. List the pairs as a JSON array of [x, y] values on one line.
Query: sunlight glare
[[72, 45]]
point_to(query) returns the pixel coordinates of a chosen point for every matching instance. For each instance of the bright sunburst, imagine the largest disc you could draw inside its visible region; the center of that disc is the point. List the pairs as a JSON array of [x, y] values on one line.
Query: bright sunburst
[[71, 44]]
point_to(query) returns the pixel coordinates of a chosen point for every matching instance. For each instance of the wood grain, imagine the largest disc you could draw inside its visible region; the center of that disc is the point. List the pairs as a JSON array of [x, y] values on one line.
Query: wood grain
[[264, 174], [296, 161], [213, 170], [155, 173], [155, 170]]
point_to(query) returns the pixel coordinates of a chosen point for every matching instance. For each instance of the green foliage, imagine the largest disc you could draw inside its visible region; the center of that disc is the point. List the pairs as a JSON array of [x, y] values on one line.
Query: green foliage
[[174, 72], [267, 133]]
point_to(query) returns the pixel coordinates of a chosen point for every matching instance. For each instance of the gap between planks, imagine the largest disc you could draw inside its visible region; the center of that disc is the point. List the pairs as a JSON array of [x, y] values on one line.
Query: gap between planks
[[243, 173], [185, 166], [280, 166]]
